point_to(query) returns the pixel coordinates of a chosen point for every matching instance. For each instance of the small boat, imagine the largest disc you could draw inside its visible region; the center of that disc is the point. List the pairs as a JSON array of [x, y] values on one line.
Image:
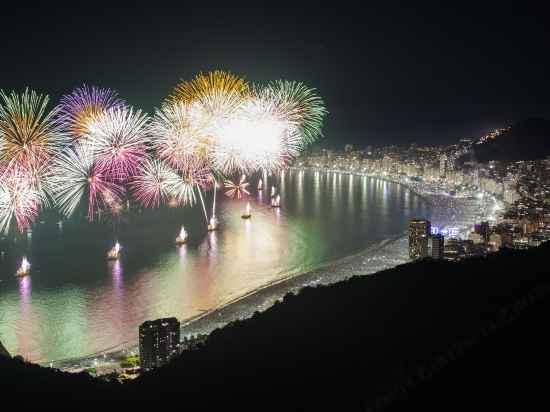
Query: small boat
[[247, 213], [182, 237], [114, 253], [276, 201], [213, 225], [24, 269]]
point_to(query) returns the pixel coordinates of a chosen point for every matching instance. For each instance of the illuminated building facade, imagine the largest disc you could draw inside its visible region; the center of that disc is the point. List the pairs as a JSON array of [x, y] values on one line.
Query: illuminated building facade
[[158, 342], [438, 246], [419, 235], [442, 166]]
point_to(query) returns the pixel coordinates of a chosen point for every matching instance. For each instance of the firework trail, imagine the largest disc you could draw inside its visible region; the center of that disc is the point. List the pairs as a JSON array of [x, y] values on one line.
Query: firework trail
[[79, 108], [198, 172], [203, 205], [214, 201], [183, 192]]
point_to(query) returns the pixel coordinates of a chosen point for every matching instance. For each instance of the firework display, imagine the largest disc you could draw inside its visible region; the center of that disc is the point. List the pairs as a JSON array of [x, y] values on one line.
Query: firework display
[[94, 150], [30, 137], [180, 135], [29, 134], [256, 137], [155, 183], [298, 104], [80, 107], [237, 189], [19, 201], [76, 176], [119, 138], [217, 93]]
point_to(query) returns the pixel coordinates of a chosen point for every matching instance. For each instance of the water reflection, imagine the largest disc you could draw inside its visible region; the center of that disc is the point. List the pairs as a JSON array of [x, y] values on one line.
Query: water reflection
[[82, 305], [115, 267], [182, 252]]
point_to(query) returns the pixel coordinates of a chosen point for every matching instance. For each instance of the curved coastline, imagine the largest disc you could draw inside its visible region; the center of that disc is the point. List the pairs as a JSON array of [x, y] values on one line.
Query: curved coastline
[[375, 258], [374, 176], [312, 276], [260, 298], [382, 255]]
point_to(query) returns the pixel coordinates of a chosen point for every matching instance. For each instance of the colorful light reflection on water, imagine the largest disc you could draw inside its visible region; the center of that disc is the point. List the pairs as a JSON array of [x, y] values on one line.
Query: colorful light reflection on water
[[75, 303]]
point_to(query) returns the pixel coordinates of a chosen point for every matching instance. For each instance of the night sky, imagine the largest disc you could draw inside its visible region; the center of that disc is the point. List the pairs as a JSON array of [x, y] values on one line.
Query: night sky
[[388, 75]]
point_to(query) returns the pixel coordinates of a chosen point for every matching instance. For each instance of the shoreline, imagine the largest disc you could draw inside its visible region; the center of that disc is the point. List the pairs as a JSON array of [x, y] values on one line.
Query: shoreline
[[372, 259], [279, 287], [337, 265]]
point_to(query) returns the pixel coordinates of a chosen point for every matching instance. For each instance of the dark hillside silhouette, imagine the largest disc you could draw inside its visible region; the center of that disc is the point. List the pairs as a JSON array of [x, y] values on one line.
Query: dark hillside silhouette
[[526, 140], [348, 345]]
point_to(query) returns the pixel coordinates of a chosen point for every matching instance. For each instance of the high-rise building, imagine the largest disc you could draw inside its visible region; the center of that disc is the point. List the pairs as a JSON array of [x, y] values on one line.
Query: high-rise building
[[484, 230], [475, 177], [419, 234], [476, 238], [438, 246], [495, 242], [442, 165], [450, 166], [387, 164], [510, 192], [158, 342]]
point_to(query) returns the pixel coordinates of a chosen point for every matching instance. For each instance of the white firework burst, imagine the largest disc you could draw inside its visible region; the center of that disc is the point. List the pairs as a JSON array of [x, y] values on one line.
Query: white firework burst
[[119, 138]]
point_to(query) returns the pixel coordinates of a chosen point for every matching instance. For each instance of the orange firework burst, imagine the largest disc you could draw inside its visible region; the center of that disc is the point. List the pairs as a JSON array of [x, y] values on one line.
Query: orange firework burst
[[29, 134], [82, 106], [217, 93]]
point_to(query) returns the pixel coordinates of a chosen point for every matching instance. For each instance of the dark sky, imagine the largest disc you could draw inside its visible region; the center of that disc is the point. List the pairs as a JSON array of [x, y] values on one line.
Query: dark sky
[[391, 74]]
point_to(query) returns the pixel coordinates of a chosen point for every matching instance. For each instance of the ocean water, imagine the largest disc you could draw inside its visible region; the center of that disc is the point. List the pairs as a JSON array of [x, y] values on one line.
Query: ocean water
[[76, 303]]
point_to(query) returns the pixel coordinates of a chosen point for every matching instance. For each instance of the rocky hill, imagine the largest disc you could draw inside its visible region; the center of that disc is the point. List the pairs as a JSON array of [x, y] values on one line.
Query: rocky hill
[[527, 140]]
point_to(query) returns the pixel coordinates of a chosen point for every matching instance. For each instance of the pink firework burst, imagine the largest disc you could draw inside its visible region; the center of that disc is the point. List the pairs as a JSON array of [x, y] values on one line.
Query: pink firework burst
[[237, 189], [198, 172], [119, 138]]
